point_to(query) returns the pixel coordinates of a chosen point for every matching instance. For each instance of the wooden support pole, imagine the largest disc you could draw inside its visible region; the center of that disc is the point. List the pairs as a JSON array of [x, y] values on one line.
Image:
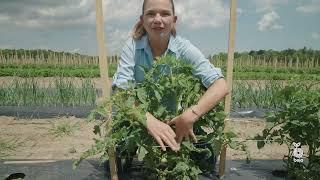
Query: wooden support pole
[[232, 30], [104, 75], [102, 50]]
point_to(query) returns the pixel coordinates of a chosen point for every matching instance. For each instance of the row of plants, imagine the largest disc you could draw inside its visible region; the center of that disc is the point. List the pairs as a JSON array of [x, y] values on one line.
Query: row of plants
[[41, 56], [46, 66], [296, 124], [60, 92], [277, 70], [289, 57], [303, 54], [33, 70], [270, 62], [274, 76], [28, 92], [47, 72], [62, 71], [256, 94], [263, 94], [93, 67]]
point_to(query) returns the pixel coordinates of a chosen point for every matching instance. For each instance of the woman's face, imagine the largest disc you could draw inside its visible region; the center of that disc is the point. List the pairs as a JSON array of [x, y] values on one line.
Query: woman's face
[[158, 18]]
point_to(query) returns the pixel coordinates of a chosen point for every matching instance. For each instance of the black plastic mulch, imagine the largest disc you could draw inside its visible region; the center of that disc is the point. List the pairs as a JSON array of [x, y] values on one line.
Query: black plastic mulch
[[84, 111], [93, 170]]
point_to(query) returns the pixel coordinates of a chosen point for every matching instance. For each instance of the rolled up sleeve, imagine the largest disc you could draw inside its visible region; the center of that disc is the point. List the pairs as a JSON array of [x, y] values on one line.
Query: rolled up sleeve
[[125, 70], [203, 69]]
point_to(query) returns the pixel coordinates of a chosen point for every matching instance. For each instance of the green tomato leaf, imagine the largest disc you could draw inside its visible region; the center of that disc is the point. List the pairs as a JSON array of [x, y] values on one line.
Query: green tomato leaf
[[260, 144], [142, 95], [157, 94], [142, 153], [97, 130]]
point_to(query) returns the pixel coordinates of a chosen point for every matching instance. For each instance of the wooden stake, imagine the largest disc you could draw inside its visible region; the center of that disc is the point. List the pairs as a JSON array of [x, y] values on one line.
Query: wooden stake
[[232, 30], [104, 76]]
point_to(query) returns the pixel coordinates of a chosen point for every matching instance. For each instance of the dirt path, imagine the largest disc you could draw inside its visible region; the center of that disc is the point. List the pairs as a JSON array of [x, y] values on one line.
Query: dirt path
[[34, 140], [247, 128]]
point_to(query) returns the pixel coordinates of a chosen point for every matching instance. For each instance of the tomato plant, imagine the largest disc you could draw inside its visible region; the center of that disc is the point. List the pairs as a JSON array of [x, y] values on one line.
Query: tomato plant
[[297, 122], [168, 89]]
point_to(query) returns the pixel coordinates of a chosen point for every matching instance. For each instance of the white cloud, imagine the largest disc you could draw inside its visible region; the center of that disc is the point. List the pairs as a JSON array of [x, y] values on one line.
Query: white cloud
[[75, 50], [315, 35], [313, 7], [65, 13], [121, 10], [115, 39], [268, 21], [269, 18], [202, 13], [81, 14], [268, 5], [44, 14]]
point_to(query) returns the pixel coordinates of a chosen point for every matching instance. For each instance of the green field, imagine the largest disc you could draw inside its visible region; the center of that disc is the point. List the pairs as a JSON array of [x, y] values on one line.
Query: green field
[[272, 70], [302, 64]]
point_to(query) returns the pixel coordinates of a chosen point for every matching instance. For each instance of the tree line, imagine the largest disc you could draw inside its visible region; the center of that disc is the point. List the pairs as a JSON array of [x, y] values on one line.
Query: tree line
[[303, 54]]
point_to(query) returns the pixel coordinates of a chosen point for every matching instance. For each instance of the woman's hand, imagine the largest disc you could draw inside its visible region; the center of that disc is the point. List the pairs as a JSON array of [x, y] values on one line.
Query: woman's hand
[[184, 125], [162, 133]]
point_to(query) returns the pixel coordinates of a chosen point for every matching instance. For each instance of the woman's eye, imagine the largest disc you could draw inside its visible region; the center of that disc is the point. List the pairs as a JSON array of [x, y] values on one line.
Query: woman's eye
[[150, 14]]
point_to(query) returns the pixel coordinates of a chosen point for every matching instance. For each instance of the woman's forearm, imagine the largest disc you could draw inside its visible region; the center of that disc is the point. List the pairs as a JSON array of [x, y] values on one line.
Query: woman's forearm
[[214, 94]]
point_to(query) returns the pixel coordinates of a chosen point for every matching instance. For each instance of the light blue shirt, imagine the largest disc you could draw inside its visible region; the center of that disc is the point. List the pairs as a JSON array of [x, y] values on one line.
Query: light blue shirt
[[137, 53]]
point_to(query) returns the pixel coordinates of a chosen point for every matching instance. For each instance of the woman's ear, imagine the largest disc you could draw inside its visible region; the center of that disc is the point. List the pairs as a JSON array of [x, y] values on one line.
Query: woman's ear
[[175, 18], [141, 18]]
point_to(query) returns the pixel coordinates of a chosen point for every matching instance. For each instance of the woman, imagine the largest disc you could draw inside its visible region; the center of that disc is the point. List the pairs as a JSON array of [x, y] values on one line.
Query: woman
[[153, 36]]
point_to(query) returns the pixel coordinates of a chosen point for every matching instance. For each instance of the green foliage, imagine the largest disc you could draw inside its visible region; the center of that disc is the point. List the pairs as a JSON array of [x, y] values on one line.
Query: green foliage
[[50, 70], [64, 129], [60, 92], [298, 120], [283, 70], [303, 54], [275, 76], [8, 146], [168, 89], [256, 94], [61, 70], [45, 54], [262, 64]]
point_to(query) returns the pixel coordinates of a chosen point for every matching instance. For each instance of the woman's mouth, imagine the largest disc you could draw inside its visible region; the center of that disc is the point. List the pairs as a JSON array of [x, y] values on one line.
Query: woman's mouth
[[158, 28]]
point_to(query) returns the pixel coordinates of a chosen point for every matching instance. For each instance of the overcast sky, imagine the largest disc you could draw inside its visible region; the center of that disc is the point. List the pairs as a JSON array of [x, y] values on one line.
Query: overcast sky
[[69, 25]]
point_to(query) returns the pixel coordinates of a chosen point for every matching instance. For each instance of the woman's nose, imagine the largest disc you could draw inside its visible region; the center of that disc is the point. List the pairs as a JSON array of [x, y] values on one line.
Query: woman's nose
[[157, 18]]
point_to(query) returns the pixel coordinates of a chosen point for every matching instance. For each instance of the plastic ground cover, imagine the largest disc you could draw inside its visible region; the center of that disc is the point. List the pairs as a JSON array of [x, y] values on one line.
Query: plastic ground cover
[[84, 111], [94, 170]]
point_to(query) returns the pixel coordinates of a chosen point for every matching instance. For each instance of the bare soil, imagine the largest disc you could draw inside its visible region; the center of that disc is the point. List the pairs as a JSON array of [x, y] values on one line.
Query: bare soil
[[35, 141]]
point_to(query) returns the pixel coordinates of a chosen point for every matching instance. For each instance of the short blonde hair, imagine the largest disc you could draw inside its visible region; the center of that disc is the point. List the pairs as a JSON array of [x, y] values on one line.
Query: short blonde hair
[[138, 29]]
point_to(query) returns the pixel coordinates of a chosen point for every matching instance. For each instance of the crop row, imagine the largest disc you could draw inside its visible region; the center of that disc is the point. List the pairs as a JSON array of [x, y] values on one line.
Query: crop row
[[61, 92], [32, 70], [274, 76], [90, 71]]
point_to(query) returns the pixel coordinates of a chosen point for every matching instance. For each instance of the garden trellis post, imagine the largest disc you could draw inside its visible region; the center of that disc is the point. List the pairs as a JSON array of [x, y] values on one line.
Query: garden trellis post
[[232, 30], [104, 75]]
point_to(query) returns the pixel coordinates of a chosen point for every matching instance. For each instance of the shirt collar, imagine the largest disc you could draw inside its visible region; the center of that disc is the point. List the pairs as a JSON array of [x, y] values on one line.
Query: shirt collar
[[143, 43]]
